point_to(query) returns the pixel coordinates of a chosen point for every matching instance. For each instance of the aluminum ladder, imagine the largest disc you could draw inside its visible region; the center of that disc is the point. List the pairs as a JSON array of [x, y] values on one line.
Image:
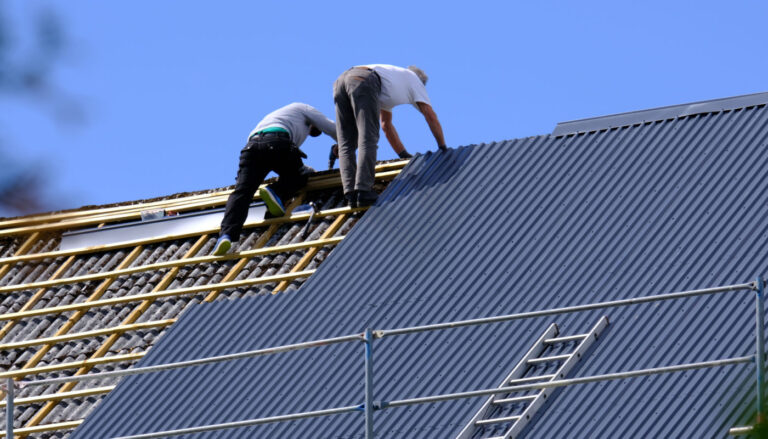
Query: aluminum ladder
[[513, 425]]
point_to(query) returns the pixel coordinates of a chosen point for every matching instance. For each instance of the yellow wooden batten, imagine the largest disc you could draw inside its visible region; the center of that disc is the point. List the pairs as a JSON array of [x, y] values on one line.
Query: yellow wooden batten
[[70, 425], [20, 373], [59, 396], [170, 264], [86, 334]]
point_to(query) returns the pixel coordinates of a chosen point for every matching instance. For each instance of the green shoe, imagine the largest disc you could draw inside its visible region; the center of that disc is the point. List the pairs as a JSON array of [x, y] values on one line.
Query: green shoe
[[222, 245], [270, 198]]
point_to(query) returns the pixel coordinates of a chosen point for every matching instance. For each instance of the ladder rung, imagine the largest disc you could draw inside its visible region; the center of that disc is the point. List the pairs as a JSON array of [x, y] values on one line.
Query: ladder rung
[[566, 339], [497, 420], [548, 359], [531, 379], [515, 399]]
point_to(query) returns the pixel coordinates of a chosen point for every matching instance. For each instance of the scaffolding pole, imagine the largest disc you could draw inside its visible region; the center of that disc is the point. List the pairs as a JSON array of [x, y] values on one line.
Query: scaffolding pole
[[9, 409], [368, 384], [568, 382], [198, 362], [569, 309], [760, 348]]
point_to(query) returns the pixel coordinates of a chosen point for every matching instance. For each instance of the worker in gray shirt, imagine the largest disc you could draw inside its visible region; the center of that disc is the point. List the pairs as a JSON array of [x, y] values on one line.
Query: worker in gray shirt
[[272, 146], [362, 95]]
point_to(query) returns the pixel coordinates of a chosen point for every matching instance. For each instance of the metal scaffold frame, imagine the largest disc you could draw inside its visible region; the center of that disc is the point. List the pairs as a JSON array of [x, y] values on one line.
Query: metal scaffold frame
[[369, 406]]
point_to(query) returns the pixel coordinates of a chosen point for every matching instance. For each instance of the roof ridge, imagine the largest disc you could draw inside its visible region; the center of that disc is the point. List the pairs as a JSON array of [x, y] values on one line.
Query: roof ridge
[[187, 200], [660, 113]]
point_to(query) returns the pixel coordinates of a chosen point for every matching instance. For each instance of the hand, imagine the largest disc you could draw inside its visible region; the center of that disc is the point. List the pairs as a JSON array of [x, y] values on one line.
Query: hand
[[333, 155], [404, 154], [443, 148]]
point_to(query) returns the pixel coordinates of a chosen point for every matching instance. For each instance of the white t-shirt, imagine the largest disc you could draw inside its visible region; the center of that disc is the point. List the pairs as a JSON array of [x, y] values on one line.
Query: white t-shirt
[[399, 86]]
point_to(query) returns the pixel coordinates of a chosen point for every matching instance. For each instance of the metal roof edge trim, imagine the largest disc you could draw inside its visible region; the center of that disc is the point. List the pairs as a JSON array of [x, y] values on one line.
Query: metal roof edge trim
[[661, 113], [179, 224]]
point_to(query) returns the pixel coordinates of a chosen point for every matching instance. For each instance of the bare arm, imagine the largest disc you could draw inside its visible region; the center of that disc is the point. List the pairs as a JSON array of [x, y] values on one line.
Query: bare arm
[[433, 122], [390, 132]]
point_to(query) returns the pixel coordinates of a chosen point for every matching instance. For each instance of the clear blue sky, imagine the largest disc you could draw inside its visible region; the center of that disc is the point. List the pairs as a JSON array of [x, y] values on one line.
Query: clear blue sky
[[170, 89]]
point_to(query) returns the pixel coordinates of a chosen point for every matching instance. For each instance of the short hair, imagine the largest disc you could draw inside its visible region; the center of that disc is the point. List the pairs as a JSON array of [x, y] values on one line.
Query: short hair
[[420, 73]]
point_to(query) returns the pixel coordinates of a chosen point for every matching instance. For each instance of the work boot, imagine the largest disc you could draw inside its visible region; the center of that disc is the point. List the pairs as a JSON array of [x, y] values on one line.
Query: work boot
[[350, 199], [270, 198], [223, 244], [366, 198]]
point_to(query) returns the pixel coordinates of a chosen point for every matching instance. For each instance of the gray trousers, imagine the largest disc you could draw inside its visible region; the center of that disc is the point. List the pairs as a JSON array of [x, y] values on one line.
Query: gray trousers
[[356, 94]]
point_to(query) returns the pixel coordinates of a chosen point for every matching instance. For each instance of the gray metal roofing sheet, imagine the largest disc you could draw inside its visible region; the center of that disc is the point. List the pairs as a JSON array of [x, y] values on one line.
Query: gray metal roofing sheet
[[493, 229]]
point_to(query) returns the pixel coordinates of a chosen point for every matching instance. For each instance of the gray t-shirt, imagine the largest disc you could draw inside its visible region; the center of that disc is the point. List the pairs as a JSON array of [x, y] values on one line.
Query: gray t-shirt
[[296, 119]]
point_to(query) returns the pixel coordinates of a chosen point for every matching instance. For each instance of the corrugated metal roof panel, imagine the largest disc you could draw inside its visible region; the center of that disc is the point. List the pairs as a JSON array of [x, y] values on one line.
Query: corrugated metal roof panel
[[484, 230]]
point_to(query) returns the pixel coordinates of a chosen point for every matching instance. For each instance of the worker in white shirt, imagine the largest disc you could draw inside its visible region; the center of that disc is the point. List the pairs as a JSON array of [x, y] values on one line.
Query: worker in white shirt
[[363, 95]]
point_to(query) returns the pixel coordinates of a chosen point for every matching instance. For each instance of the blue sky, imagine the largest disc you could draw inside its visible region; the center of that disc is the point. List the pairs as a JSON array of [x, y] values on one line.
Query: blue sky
[[170, 89]]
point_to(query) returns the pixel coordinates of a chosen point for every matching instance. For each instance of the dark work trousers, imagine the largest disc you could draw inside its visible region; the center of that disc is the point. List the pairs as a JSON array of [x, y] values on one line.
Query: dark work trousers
[[356, 94], [261, 155]]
